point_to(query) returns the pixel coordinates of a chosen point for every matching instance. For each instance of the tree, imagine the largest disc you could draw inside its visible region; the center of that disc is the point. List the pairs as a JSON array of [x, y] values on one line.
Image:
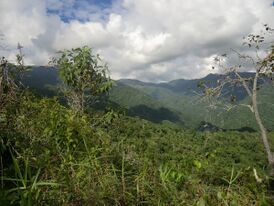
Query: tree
[[84, 75], [262, 62], [10, 80], [12, 92]]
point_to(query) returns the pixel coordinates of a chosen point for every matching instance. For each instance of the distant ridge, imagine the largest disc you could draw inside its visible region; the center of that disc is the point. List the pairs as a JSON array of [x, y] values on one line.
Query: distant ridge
[[176, 101]]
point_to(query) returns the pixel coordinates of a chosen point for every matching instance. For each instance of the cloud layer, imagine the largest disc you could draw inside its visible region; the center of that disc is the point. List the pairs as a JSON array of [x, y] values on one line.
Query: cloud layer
[[155, 40]]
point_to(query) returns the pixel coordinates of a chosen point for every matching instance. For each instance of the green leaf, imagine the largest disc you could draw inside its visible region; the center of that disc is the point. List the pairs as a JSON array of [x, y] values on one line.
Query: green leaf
[[197, 164], [201, 202]]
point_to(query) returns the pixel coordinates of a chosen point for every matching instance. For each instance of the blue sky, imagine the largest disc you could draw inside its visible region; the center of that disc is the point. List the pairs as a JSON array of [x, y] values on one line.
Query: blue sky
[[68, 12]]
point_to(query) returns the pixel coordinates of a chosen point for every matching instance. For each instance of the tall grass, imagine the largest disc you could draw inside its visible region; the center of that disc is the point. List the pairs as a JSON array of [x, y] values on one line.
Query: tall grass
[[61, 158]]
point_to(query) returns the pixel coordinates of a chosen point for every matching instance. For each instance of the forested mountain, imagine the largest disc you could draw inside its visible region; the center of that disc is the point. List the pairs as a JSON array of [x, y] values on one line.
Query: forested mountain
[[138, 103], [178, 101], [65, 141], [184, 97], [190, 87]]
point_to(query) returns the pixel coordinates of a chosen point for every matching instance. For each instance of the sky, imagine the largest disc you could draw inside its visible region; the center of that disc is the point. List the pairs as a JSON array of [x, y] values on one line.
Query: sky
[[149, 40]]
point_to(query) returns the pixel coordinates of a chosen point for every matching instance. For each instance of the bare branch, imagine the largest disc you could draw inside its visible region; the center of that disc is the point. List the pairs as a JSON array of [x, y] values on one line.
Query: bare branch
[[248, 106], [243, 82]]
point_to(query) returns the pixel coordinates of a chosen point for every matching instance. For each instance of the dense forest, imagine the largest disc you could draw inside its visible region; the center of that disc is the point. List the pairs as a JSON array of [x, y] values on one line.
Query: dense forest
[[178, 101], [79, 138]]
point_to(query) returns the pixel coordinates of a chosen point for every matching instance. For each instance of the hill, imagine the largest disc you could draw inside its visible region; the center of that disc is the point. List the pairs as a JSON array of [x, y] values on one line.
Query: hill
[[184, 97], [177, 101]]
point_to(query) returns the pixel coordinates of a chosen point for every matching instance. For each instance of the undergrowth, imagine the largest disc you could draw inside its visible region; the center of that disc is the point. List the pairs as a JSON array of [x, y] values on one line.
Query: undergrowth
[[51, 155]]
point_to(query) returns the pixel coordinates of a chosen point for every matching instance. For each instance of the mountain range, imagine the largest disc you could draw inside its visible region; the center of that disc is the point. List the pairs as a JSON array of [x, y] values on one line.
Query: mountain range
[[176, 102]]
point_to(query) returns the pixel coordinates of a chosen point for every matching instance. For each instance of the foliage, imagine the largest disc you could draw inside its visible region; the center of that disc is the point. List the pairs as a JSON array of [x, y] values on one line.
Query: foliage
[[84, 75], [53, 155], [263, 67], [11, 93], [117, 160], [190, 109], [10, 82], [27, 187]]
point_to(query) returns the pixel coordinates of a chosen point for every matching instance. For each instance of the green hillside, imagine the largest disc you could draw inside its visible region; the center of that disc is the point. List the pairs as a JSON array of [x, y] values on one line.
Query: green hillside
[[61, 158], [185, 106], [178, 101], [128, 97], [139, 103], [53, 153], [194, 109], [241, 116]]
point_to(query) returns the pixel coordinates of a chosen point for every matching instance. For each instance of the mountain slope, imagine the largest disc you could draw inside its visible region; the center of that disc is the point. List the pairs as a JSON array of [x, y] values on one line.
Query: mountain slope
[[42, 80], [141, 104], [178, 101], [184, 96]]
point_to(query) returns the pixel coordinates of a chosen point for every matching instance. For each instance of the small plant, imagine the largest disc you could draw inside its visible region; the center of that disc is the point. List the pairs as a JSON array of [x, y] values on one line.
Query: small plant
[[170, 175], [28, 187], [232, 179]]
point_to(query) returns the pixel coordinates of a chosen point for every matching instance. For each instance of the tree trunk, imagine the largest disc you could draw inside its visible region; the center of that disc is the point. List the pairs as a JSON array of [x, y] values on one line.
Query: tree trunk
[[263, 130]]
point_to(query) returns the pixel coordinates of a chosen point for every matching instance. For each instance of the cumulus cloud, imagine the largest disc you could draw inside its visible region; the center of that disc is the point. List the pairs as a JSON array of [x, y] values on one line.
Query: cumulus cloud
[[155, 40]]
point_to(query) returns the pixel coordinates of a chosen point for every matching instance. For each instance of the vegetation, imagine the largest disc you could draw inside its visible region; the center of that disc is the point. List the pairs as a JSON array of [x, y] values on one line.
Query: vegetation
[[82, 72], [264, 67], [52, 154], [64, 159], [186, 106], [189, 105]]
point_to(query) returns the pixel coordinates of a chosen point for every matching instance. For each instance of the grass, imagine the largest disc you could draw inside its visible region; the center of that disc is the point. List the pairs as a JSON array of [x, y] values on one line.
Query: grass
[[62, 158]]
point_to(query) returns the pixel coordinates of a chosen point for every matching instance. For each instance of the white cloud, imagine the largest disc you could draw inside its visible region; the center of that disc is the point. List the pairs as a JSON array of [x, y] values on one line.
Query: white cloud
[[153, 40]]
